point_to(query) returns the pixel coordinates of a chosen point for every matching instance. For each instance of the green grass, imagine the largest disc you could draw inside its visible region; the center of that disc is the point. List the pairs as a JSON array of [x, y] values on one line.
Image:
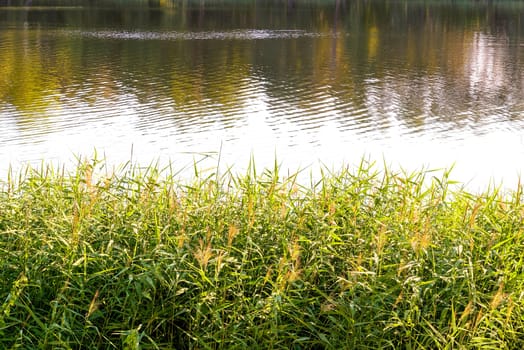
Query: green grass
[[361, 259]]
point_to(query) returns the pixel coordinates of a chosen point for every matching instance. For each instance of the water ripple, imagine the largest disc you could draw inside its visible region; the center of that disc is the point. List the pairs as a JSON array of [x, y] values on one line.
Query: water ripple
[[165, 89], [246, 34]]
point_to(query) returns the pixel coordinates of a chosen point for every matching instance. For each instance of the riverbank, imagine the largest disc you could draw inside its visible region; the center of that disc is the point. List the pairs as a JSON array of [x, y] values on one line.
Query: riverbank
[[359, 259]]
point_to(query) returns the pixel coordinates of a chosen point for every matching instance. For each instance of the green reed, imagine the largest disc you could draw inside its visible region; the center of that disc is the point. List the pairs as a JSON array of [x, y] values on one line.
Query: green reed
[[360, 258]]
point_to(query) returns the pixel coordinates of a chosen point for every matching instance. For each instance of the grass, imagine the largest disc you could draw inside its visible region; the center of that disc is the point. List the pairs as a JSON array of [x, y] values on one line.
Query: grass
[[361, 259]]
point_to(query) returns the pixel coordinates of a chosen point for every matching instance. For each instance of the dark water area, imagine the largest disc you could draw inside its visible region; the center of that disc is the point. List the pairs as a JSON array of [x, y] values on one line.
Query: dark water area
[[417, 83]]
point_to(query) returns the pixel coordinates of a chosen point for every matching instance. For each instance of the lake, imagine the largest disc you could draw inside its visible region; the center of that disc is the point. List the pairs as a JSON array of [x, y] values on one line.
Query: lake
[[410, 83]]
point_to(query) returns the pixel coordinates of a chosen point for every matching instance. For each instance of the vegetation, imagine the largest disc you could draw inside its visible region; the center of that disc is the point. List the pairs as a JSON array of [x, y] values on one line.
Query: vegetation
[[360, 259]]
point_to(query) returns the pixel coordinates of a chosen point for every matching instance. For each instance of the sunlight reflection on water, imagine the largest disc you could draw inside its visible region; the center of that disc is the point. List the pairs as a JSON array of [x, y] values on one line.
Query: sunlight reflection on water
[[306, 94]]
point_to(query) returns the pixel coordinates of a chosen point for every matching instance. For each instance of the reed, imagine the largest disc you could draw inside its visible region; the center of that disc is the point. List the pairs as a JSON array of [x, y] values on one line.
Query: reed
[[360, 258]]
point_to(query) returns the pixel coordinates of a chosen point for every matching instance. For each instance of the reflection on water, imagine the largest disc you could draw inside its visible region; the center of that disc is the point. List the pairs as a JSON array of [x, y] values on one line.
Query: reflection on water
[[417, 83], [213, 35]]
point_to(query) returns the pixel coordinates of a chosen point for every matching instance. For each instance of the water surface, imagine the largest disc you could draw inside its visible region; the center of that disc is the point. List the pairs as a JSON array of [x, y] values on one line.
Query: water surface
[[417, 83]]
